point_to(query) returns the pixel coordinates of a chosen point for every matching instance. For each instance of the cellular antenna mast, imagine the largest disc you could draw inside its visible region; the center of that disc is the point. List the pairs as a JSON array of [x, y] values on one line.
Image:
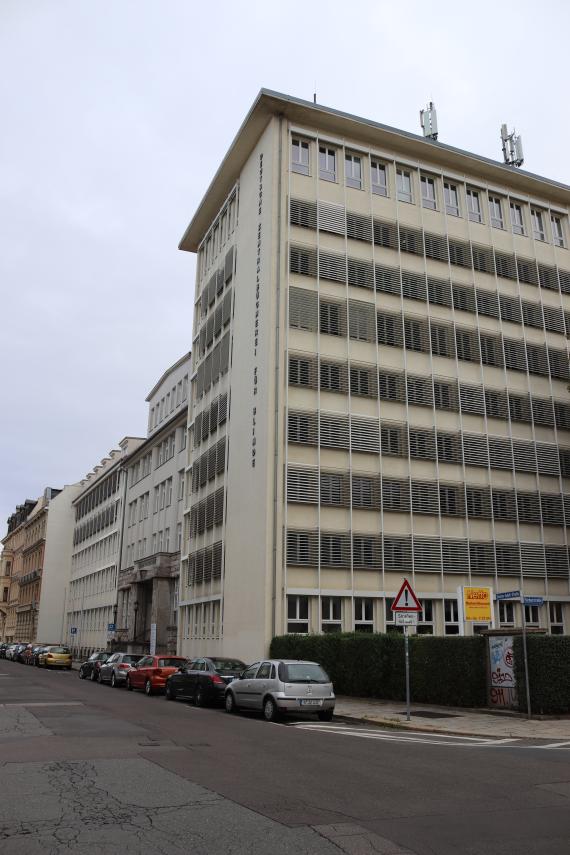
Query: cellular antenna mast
[[428, 121], [512, 147]]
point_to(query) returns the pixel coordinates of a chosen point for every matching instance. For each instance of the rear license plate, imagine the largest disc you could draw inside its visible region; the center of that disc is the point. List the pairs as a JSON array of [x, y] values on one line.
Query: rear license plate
[[310, 702]]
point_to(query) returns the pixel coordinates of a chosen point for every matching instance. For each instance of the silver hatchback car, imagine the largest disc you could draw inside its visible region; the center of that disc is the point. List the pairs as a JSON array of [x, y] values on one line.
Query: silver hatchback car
[[277, 686]]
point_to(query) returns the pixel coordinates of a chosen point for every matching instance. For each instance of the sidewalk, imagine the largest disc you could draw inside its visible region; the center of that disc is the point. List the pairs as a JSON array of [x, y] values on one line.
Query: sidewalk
[[452, 720]]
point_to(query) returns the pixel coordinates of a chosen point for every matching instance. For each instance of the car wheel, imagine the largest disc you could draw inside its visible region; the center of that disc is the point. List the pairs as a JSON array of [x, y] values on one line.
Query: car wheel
[[94, 675], [170, 696], [129, 687], [325, 715], [230, 703], [113, 681], [148, 688], [81, 674], [98, 677], [270, 710], [199, 697]]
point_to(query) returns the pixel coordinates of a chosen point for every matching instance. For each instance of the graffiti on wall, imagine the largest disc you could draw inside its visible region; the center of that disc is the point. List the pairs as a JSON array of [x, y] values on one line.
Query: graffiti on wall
[[502, 688]]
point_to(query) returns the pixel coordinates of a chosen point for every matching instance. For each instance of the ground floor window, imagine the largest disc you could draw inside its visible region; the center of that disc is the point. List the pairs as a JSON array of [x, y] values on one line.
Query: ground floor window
[[297, 613], [506, 614], [556, 616], [331, 614], [451, 617], [363, 614], [390, 618], [425, 618], [532, 615]]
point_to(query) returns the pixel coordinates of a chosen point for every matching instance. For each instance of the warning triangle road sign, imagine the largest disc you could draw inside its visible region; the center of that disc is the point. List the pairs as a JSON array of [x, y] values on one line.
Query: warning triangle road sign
[[406, 600]]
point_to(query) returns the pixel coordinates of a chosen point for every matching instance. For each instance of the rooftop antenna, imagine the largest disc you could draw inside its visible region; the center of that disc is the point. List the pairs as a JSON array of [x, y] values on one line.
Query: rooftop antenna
[[428, 121], [512, 147]]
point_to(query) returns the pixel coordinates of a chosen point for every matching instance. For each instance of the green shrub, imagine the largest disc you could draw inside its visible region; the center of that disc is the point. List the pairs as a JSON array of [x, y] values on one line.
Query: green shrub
[[548, 671], [447, 670]]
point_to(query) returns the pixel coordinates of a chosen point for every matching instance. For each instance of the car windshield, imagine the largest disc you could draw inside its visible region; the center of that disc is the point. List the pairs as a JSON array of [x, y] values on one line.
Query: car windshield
[[302, 672], [173, 662], [130, 659], [229, 665], [58, 650]]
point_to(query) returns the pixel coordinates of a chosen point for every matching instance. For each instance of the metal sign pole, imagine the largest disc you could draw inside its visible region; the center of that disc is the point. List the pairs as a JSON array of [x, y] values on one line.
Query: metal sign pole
[[525, 655], [407, 654]]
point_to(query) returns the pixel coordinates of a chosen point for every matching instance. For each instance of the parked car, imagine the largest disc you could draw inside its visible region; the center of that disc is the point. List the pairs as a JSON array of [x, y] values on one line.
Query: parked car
[[150, 672], [3, 647], [27, 653], [116, 668], [204, 680], [10, 651], [17, 655], [90, 668], [55, 656], [36, 650], [280, 686]]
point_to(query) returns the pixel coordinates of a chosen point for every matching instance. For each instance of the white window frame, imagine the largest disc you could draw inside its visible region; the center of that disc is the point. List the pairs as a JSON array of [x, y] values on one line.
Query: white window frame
[[362, 623], [353, 170], [331, 614], [474, 212], [330, 159], [378, 169], [427, 183], [451, 616], [451, 192], [556, 621], [557, 227], [506, 613], [298, 621], [537, 219], [404, 194], [300, 165], [495, 204], [517, 218]]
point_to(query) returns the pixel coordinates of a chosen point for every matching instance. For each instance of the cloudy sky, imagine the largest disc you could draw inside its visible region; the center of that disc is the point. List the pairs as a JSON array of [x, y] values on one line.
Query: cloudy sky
[[113, 119]]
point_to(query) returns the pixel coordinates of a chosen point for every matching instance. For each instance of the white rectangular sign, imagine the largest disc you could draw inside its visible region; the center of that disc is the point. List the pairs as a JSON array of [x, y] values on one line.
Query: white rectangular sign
[[406, 618]]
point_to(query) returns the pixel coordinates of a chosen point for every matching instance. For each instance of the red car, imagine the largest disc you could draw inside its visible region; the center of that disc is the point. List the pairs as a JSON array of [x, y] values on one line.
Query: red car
[[150, 673]]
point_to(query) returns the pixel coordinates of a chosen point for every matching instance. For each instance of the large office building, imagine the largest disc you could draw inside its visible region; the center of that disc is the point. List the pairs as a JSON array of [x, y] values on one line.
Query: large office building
[[379, 387], [147, 608]]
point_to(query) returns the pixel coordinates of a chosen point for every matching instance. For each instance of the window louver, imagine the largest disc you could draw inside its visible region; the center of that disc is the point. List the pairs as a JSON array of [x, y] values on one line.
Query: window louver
[[303, 309], [331, 218]]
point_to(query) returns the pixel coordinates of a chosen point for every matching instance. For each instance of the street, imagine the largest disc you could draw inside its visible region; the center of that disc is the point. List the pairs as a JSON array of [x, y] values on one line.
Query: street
[[93, 770]]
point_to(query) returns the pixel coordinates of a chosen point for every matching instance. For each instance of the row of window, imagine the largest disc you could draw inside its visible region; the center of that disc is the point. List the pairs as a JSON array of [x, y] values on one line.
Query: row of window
[[205, 565], [207, 513], [96, 553], [363, 614], [441, 393], [95, 583], [213, 327], [403, 495], [167, 404], [424, 335], [218, 234], [106, 488], [201, 620], [424, 554], [95, 524], [358, 434], [210, 419], [213, 367], [441, 292], [397, 236], [211, 463], [89, 620], [160, 543], [435, 193], [215, 285]]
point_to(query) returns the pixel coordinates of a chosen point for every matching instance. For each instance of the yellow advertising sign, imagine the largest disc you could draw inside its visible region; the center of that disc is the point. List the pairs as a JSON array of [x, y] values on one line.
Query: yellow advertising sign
[[478, 604]]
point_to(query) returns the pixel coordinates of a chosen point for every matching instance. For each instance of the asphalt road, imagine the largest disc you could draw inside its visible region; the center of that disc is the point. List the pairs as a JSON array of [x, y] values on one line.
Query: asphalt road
[[90, 770]]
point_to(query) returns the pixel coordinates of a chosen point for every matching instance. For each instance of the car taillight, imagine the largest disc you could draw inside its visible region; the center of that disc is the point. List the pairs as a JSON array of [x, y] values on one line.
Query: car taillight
[[123, 666], [217, 680]]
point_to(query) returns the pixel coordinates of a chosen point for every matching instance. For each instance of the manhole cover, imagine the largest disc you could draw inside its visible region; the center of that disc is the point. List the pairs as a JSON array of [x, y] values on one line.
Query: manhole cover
[[431, 714]]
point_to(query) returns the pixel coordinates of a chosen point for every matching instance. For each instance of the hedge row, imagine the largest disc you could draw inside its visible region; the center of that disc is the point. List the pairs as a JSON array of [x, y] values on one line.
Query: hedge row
[[443, 670], [548, 670]]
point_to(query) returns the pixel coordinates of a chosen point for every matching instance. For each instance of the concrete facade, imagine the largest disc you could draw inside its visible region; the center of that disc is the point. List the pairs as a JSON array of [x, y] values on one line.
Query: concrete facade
[[150, 559], [390, 360], [96, 551]]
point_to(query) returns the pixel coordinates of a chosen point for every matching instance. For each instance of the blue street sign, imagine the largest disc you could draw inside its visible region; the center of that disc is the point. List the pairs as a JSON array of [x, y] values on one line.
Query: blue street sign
[[534, 601], [111, 627], [509, 595], [73, 630]]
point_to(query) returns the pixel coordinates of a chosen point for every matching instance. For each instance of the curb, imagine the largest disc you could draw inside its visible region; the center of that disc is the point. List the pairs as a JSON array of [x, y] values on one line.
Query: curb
[[393, 724]]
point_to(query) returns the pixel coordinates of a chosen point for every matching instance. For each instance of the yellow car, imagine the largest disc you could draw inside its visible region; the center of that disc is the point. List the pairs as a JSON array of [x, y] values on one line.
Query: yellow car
[[55, 656]]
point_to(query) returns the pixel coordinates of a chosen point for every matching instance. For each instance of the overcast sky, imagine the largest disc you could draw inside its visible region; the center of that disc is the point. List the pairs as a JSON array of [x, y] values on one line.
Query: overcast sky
[[114, 117]]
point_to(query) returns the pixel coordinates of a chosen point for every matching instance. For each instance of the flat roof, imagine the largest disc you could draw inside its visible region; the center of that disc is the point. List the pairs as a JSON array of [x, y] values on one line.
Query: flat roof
[[269, 103]]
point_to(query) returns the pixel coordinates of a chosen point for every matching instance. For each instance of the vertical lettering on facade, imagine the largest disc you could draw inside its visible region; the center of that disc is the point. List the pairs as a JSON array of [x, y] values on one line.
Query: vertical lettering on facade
[[255, 379]]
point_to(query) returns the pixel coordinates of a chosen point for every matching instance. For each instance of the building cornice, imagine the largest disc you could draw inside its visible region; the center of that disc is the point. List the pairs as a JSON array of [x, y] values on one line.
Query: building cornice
[[269, 103]]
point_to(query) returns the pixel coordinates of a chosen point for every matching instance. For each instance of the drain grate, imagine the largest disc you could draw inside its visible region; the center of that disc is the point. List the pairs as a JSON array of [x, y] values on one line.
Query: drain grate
[[431, 714]]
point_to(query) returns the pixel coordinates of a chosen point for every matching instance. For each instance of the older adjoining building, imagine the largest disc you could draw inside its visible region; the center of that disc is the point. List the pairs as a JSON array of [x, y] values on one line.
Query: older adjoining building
[[12, 567], [379, 387], [150, 563]]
